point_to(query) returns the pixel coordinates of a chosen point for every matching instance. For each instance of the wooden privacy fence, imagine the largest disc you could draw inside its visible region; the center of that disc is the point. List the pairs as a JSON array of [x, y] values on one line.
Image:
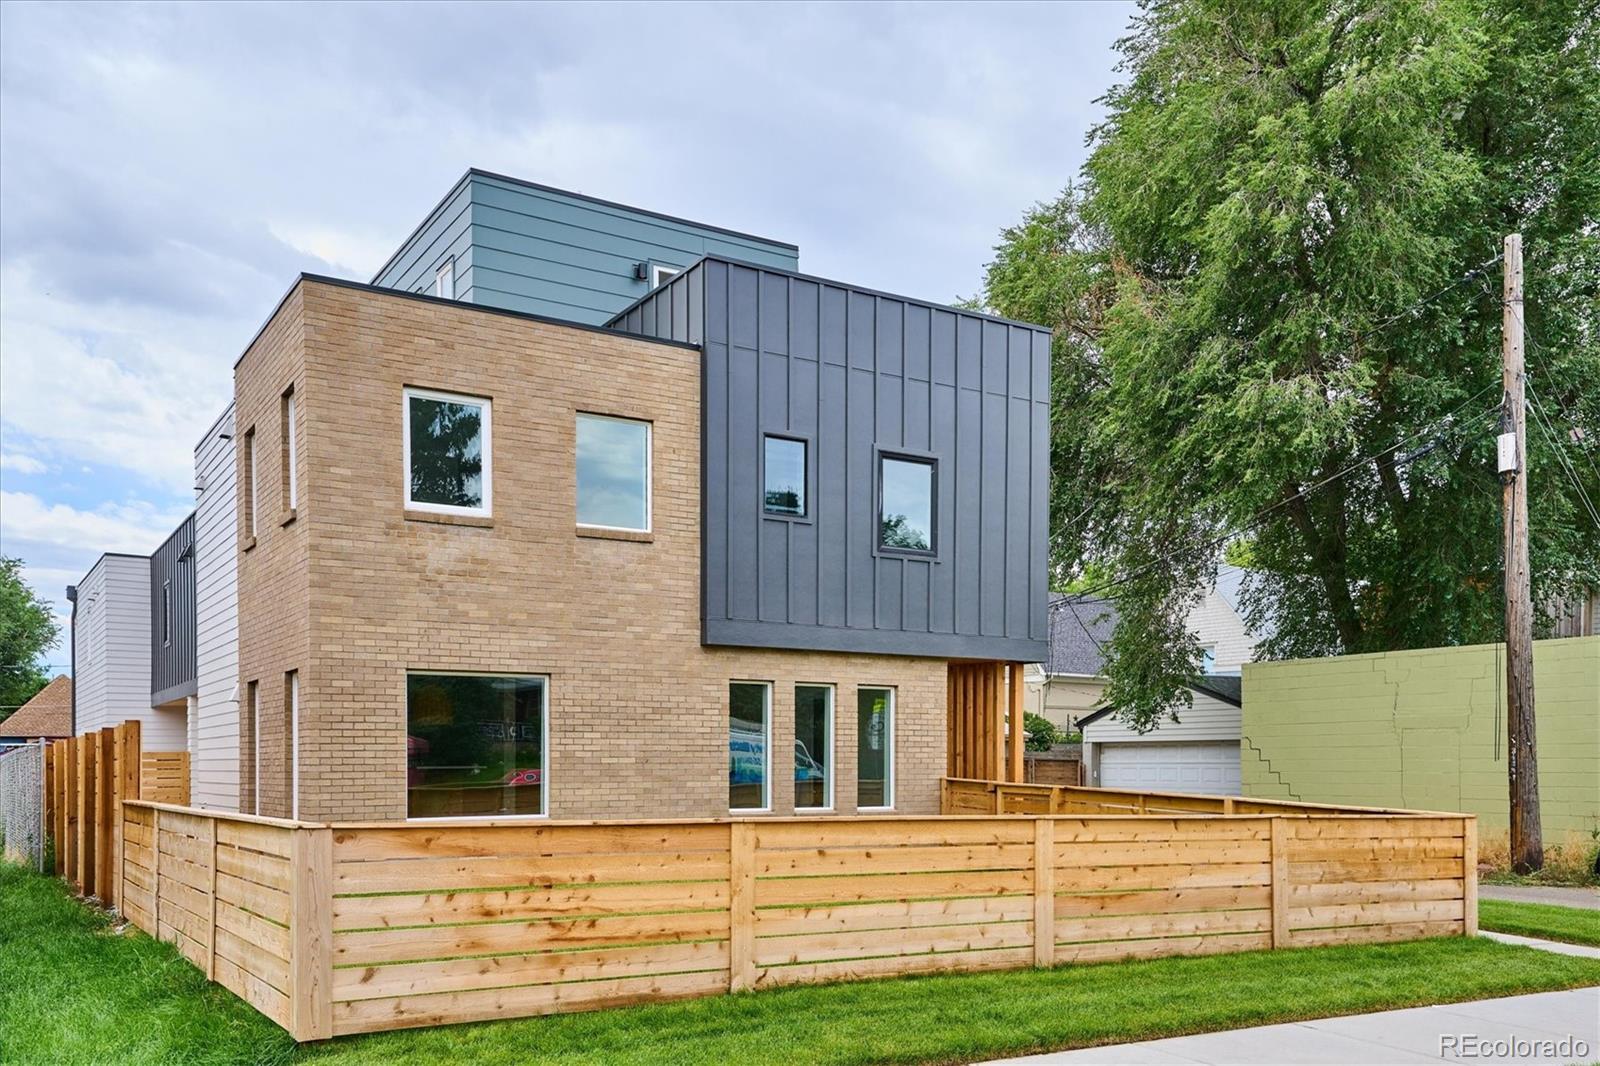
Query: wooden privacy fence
[[85, 780], [334, 929], [970, 796]]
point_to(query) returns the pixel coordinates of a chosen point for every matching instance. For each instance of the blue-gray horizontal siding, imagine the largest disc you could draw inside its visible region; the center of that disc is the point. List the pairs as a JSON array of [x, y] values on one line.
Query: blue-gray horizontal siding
[[172, 656], [537, 250], [857, 372], [445, 234]]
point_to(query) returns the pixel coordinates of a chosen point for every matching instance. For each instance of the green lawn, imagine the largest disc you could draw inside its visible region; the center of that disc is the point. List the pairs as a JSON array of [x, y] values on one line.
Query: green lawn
[[1574, 925], [74, 991]]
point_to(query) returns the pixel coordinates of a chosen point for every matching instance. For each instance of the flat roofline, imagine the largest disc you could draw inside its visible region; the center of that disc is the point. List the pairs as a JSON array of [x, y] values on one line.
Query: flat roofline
[[460, 305], [835, 283], [478, 172]]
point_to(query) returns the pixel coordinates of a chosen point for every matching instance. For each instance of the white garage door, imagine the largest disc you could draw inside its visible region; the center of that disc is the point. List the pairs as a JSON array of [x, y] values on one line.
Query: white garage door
[[1196, 766]]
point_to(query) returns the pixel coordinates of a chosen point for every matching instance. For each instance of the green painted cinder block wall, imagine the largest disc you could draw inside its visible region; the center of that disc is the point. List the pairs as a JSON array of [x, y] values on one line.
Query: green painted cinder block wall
[[1425, 729]]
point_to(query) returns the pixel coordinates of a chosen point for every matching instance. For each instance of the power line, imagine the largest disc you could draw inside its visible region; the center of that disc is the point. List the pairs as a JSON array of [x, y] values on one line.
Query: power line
[[1551, 438]]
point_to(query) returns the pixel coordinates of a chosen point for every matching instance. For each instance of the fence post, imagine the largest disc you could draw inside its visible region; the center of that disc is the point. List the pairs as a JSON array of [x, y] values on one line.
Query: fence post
[[1280, 883], [1044, 891], [86, 775], [211, 897], [104, 808], [310, 933], [741, 906], [1469, 875]]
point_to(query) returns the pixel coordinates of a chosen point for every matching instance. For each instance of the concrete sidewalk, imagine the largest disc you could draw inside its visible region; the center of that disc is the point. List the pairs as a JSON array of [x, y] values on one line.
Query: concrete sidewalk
[[1568, 1021], [1587, 898]]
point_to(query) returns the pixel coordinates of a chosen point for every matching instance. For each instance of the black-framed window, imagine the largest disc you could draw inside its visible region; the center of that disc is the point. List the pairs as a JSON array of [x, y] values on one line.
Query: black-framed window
[[476, 745], [166, 614], [785, 463], [906, 488]]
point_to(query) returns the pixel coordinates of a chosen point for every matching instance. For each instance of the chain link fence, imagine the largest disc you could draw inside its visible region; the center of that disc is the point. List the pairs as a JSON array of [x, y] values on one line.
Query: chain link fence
[[22, 804]]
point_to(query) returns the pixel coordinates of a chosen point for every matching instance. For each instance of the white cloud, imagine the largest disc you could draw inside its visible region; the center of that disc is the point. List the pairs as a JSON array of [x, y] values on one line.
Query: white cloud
[[21, 463], [137, 528]]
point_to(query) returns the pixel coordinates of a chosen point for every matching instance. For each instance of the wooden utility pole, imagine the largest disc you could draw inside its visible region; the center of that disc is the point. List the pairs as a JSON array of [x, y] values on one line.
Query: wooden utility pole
[[1527, 848]]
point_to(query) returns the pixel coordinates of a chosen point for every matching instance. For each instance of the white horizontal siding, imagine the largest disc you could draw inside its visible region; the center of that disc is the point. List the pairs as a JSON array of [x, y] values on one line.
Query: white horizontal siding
[[1209, 719], [112, 645], [214, 754], [1219, 627]]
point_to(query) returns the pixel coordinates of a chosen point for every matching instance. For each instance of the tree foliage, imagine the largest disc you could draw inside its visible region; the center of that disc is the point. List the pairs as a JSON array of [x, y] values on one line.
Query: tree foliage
[[1268, 272], [27, 630]]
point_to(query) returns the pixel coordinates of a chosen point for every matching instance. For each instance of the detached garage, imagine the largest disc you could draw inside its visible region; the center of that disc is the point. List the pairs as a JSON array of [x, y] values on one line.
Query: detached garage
[[1197, 753]]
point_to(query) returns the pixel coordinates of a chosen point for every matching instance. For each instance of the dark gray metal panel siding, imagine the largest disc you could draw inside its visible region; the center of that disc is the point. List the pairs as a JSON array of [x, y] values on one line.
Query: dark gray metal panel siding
[[172, 641], [855, 371]]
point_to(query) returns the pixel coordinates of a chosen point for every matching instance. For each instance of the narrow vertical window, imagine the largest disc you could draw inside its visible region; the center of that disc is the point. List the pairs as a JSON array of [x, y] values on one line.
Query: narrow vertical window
[[166, 614], [476, 745], [250, 482], [783, 476], [291, 708], [448, 453], [874, 748], [613, 473], [813, 747], [253, 702], [905, 505], [291, 466], [749, 731], [444, 280]]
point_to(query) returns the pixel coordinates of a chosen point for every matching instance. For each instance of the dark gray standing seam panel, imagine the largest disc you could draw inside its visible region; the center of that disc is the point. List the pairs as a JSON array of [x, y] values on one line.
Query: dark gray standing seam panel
[[855, 373], [173, 666]]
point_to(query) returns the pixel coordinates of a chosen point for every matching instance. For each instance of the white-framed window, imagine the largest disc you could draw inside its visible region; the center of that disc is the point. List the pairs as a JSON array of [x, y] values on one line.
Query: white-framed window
[[613, 467], [813, 747], [444, 279], [1208, 659], [291, 466], [253, 696], [874, 749], [660, 274], [477, 745], [448, 453], [291, 687], [749, 746], [166, 614]]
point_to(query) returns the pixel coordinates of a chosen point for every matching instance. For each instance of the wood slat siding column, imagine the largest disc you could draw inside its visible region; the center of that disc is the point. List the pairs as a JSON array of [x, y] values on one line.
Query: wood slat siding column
[[310, 932], [1280, 883], [1469, 876], [741, 906], [105, 829], [1044, 892], [997, 720], [1016, 722]]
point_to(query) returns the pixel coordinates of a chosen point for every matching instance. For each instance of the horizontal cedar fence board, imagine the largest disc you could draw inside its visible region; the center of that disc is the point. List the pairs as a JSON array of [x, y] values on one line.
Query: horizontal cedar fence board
[[412, 924], [164, 776]]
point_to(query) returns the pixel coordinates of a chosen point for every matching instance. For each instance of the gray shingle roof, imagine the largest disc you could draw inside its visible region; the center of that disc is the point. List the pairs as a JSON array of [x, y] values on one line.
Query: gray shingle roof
[[1075, 627]]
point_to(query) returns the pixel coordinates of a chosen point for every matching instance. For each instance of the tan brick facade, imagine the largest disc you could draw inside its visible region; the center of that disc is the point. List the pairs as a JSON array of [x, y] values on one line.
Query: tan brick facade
[[353, 591]]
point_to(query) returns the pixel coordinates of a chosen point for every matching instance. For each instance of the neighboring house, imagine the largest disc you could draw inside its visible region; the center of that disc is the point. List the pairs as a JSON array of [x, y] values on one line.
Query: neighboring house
[[47, 716], [583, 537], [1197, 753], [117, 621]]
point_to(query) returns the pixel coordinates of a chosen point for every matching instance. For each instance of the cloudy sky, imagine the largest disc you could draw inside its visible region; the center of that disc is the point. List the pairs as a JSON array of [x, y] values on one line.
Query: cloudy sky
[[165, 171]]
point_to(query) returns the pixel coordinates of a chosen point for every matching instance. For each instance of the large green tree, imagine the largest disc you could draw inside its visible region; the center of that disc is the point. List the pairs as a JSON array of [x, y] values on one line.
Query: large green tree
[[27, 630], [1278, 264]]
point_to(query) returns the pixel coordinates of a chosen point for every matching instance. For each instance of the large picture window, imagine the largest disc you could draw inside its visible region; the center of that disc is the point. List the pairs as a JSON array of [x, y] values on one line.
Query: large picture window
[[874, 748], [749, 733], [813, 747], [613, 473], [475, 745], [905, 504], [447, 452]]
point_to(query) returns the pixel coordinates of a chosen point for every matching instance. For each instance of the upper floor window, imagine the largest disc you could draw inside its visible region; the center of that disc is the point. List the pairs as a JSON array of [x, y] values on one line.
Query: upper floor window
[[783, 465], [1208, 659], [447, 452], [613, 473], [444, 280], [251, 514], [166, 614], [905, 504], [660, 274], [291, 467]]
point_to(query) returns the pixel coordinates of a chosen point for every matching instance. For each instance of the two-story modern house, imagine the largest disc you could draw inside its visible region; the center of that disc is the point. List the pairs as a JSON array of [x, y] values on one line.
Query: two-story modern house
[[584, 511]]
